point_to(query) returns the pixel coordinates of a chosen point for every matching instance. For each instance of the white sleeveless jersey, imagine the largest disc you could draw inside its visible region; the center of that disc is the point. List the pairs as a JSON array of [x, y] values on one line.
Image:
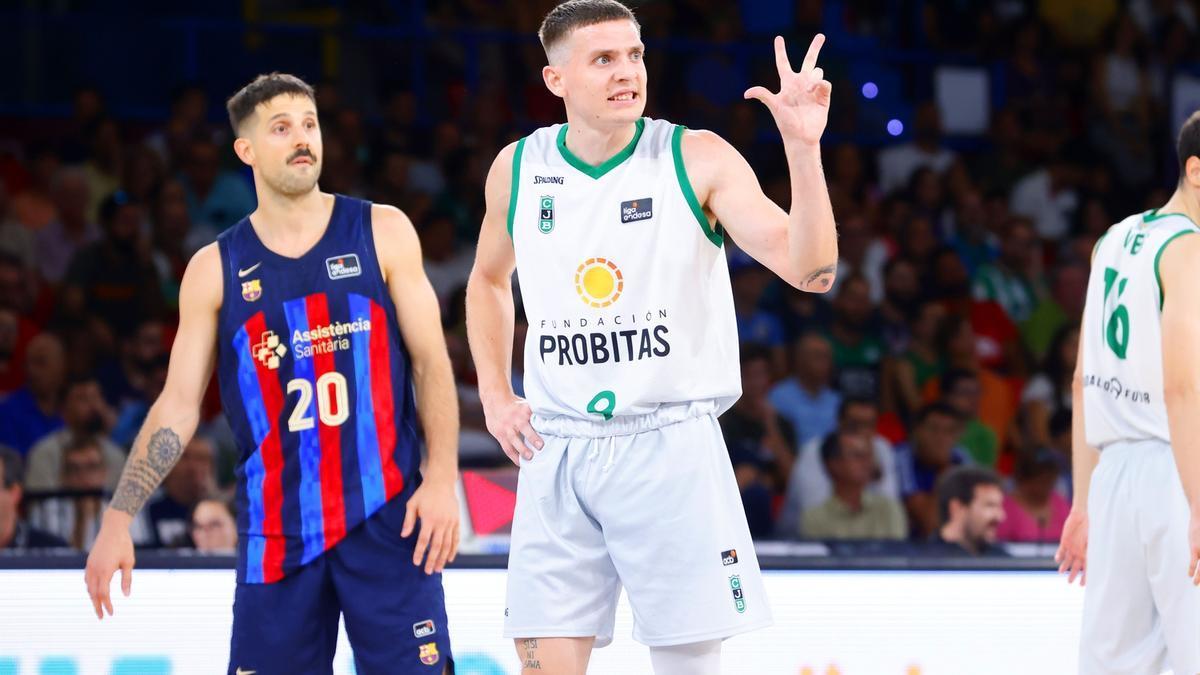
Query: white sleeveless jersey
[[1122, 331], [625, 283]]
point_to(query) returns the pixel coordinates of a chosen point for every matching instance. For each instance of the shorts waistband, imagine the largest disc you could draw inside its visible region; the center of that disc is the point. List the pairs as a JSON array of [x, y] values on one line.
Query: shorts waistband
[[622, 425], [1141, 445]]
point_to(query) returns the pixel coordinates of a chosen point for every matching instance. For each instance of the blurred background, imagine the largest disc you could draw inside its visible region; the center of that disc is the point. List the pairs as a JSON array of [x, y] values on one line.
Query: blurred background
[[976, 150]]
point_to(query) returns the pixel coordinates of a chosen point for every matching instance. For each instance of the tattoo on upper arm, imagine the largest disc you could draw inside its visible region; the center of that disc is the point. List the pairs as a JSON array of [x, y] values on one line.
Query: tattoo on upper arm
[[823, 274], [142, 475]]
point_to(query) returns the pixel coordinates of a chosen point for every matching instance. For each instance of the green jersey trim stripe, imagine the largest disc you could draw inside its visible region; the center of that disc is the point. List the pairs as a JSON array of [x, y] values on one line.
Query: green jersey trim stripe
[[714, 233], [1158, 256], [516, 182], [606, 166], [1153, 215]]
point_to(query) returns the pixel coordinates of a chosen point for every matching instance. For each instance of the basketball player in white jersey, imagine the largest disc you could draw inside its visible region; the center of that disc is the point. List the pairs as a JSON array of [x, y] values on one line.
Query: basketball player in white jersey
[[615, 224], [1134, 526]]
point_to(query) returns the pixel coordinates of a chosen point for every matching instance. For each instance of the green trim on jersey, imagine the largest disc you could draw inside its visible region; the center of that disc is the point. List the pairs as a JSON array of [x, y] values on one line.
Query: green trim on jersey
[[516, 182], [1153, 215], [713, 233], [606, 166], [1157, 256]]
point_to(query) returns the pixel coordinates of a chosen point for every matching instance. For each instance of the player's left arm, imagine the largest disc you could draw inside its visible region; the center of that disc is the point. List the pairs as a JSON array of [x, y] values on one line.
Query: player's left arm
[[800, 246], [434, 503]]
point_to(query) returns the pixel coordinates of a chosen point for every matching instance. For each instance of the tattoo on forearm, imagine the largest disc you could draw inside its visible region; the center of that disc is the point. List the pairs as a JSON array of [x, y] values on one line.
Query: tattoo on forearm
[[142, 475], [822, 274], [531, 661]]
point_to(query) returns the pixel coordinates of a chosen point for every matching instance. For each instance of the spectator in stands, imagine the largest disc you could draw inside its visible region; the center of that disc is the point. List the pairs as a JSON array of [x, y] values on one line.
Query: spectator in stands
[[85, 415], [755, 325], [175, 238], [970, 508], [1034, 511], [857, 347], [214, 529], [191, 481], [902, 298], [15, 533], [12, 353], [131, 414], [930, 452], [761, 442], [904, 377], [216, 198], [852, 511], [961, 391], [1014, 280], [75, 517], [1063, 306], [959, 344], [1049, 391], [115, 278], [126, 379], [58, 242], [810, 484], [898, 162], [859, 252], [446, 267], [1048, 198], [33, 411], [806, 399]]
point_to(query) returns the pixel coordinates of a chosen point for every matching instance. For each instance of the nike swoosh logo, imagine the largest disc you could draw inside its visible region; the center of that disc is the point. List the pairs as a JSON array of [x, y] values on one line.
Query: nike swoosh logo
[[242, 273], [239, 670]]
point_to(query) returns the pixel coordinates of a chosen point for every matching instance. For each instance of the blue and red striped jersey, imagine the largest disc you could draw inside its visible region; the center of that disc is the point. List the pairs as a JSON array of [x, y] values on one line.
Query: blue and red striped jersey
[[317, 385]]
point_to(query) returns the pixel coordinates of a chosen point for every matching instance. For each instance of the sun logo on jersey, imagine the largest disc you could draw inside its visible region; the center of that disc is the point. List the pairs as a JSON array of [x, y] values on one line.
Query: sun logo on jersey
[[269, 350], [599, 282]]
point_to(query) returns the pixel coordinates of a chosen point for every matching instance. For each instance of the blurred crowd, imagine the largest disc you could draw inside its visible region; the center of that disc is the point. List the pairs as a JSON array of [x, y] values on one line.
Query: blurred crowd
[[925, 398]]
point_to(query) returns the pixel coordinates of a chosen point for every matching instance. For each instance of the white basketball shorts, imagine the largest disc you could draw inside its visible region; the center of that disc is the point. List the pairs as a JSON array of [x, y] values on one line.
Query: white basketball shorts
[[648, 503], [1141, 613]]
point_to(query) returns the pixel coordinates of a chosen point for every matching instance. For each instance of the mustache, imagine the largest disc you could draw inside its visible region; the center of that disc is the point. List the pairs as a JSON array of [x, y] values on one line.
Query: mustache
[[302, 152]]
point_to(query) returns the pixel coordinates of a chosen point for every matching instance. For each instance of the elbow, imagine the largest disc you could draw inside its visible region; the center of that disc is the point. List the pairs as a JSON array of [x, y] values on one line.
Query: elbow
[[818, 281], [1181, 394]]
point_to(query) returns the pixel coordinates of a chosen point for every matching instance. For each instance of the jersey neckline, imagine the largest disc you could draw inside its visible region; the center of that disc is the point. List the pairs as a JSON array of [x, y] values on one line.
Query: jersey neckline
[[318, 245], [604, 167]]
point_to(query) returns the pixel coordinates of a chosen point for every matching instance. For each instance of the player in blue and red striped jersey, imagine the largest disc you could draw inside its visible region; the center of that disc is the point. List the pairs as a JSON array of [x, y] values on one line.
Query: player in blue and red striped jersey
[[325, 333]]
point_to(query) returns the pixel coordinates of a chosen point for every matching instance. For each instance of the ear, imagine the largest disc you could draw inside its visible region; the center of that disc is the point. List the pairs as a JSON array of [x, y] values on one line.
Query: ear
[[554, 81], [1192, 171], [244, 151]]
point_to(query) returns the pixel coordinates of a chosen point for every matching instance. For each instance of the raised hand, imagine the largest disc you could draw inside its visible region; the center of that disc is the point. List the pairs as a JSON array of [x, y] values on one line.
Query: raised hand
[[801, 108]]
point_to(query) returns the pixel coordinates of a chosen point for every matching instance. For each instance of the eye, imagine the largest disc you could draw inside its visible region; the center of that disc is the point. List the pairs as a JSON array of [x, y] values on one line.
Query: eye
[[279, 128], [603, 60], [636, 56]]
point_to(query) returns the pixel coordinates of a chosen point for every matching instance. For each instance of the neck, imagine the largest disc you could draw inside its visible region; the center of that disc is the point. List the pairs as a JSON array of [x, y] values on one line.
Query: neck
[[1183, 201], [8, 528], [46, 401], [595, 145], [281, 217], [850, 495], [813, 388], [954, 534]]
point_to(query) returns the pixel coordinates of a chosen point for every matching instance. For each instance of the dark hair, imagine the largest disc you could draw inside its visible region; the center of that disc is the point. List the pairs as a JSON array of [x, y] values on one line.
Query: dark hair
[[573, 14], [1060, 422], [1034, 464], [77, 380], [935, 409], [831, 448], [958, 484], [851, 401], [13, 470], [264, 88], [953, 376], [1188, 143], [754, 352]]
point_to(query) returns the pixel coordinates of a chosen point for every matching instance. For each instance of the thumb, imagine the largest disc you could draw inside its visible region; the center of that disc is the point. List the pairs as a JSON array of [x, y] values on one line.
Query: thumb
[[126, 578], [760, 93], [410, 519]]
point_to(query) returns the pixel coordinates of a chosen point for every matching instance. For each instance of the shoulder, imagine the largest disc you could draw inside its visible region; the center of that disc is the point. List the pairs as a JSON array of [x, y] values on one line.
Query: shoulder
[[205, 265], [702, 146], [388, 220], [393, 232]]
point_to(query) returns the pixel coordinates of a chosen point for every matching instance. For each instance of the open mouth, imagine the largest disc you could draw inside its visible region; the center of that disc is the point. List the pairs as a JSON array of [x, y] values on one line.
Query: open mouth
[[624, 97]]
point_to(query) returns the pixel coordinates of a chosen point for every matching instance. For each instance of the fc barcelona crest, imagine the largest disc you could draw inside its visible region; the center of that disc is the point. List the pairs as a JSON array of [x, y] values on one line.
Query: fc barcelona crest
[[251, 290], [429, 654]]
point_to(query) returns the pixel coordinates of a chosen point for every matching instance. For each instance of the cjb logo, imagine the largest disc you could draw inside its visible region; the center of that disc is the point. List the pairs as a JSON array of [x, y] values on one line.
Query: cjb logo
[[739, 599], [546, 215]]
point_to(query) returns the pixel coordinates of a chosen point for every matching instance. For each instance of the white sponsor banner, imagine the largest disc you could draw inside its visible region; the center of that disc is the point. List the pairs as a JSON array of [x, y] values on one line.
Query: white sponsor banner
[[848, 623]]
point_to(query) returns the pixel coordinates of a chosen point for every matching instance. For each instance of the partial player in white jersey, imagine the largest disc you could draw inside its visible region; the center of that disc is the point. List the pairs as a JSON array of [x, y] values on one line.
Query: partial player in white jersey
[[611, 221], [1134, 529]]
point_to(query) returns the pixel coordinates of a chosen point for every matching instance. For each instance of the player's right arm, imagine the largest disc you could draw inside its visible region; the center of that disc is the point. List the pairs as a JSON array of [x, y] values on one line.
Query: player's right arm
[[169, 426], [1181, 374], [490, 312], [1072, 549]]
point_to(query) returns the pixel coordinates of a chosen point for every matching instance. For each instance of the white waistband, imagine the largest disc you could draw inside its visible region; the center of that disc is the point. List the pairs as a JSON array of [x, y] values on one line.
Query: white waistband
[[622, 425]]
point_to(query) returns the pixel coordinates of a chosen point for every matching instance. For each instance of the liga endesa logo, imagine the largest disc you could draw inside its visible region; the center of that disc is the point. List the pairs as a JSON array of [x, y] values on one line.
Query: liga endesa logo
[[599, 282]]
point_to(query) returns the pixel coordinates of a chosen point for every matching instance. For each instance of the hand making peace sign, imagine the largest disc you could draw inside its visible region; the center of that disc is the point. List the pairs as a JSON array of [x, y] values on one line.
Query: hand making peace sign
[[801, 107]]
